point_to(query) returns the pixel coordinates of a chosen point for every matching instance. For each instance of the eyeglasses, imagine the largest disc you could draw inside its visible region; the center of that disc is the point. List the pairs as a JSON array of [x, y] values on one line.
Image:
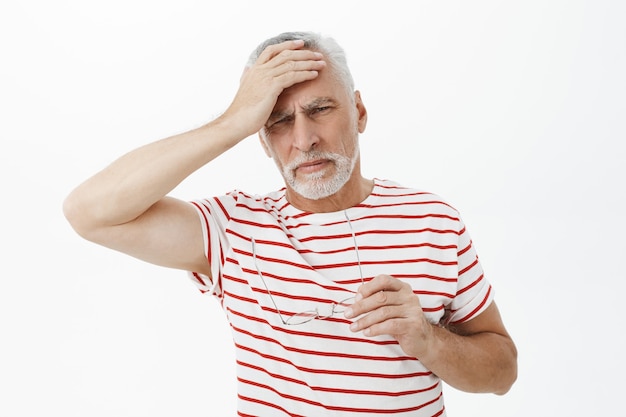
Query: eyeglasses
[[319, 313]]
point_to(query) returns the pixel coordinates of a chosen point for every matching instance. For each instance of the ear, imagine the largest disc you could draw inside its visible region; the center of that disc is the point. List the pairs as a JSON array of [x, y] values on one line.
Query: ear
[[361, 111], [263, 140]]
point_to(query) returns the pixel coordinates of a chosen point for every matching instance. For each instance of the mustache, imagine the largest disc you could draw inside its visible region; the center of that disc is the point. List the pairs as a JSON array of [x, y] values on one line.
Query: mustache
[[311, 156]]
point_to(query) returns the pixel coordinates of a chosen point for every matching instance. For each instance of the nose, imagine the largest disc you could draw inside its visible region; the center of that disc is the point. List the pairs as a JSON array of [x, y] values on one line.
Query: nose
[[305, 136]]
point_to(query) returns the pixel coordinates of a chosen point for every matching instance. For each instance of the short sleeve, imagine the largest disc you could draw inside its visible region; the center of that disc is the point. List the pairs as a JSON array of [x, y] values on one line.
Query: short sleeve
[[214, 216], [474, 293]]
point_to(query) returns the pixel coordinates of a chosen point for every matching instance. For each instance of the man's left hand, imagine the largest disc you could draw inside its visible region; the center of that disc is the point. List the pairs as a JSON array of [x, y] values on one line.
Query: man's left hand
[[388, 306]]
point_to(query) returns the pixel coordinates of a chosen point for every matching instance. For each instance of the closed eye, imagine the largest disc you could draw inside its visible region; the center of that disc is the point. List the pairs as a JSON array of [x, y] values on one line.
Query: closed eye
[[321, 109], [320, 105], [277, 122]]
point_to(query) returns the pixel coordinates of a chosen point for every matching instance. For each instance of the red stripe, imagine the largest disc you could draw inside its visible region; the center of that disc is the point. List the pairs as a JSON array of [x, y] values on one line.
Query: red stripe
[[256, 224], [301, 280], [346, 249], [297, 297], [366, 218], [267, 404], [346, 235], [404, 203], [334, 371], [365, 248], [337, 390], [441, 294], [343, 264], [221, 206], [324, 354], [425, 276], [470, 266], [407, 216], [474, 311], [380, 232], [432, 309], [392, 262], [198, 278], [462, 251], [274, 260], [472, 285], [338, 408]]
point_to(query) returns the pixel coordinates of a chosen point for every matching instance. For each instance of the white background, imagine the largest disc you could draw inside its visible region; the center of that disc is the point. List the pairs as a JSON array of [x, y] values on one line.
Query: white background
[[512, 111]]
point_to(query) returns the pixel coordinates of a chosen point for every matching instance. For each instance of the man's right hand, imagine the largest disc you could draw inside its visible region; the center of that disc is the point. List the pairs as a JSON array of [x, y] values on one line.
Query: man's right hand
[[279, 67]]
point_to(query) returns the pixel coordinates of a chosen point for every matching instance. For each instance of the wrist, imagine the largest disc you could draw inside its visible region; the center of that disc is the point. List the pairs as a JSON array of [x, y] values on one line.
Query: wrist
[[432, 344], [229, 129]]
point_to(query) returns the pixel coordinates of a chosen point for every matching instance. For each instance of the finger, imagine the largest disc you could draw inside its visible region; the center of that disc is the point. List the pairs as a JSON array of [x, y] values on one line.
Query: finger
[[378, 283], [295, 55], [384, 320], [398, 293], [286, 50], [371, 303], [375, 316], [294, 72], [294, 64], [392, 327], [272, 50], [291, 67]]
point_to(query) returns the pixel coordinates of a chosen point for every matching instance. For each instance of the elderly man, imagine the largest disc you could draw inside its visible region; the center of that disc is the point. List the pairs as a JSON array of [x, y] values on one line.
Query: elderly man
[[345, 295]]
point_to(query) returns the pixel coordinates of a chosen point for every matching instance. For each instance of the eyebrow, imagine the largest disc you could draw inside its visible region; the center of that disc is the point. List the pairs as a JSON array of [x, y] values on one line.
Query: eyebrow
[[307, 108], [317, 102]]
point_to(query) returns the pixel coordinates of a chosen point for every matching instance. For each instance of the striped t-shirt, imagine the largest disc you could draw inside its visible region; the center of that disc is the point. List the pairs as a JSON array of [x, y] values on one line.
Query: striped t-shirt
[[271, 261]]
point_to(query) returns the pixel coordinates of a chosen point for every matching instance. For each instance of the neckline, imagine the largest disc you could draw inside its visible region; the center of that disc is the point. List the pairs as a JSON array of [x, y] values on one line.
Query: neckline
[[289, 210]]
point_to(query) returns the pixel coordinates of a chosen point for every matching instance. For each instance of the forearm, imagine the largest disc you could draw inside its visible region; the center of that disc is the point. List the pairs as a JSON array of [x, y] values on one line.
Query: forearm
[[133, 183], [477, 355], [480, 362]]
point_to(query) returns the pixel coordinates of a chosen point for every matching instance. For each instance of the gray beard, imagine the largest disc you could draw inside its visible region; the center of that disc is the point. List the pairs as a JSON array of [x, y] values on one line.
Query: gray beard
[[313, 186]]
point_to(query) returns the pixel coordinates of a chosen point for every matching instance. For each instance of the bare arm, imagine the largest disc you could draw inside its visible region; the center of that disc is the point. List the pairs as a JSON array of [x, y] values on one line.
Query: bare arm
[[476, 356], [124, 206]]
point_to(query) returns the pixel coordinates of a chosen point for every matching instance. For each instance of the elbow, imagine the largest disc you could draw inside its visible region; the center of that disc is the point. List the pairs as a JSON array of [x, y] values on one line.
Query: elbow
[[509, 373], [507, 385], [78, 217], [72, 213]]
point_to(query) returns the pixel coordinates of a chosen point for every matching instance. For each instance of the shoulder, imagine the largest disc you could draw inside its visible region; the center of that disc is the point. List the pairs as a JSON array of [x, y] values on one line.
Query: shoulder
[[388, 192], [271, 201], [237, 200], [239, 197]]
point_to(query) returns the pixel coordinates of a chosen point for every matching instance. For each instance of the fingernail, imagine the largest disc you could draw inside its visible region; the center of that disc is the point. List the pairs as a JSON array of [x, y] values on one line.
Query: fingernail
[[354, 326], [348, 313], [358, 297]]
